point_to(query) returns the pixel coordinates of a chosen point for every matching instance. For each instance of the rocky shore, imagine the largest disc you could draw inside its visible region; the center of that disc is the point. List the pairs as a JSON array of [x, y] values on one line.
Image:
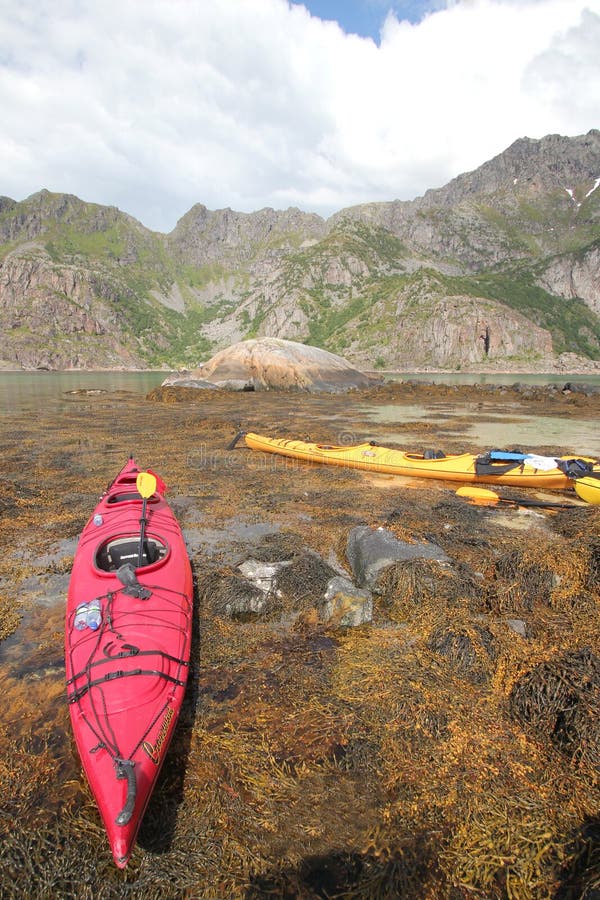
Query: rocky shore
[[418, 721]]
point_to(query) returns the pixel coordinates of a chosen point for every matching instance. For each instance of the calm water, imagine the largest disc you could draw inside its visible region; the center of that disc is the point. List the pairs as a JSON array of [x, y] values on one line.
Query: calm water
[[487, 430], [27, 390], [30, 390]]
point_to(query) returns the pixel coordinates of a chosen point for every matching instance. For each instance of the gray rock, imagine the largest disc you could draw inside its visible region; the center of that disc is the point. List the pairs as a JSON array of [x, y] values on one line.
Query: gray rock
[[577, 387], [518, 625], [370, 551], [261, 574], [188, 381], [346, 605]]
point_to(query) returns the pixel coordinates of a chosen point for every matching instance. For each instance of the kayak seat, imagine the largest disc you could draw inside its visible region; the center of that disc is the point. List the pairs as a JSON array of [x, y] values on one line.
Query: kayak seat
[[113, 554], [434, 454]]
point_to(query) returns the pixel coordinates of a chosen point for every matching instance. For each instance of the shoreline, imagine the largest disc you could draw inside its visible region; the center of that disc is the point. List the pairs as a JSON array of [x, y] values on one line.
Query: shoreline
[[375, 373]]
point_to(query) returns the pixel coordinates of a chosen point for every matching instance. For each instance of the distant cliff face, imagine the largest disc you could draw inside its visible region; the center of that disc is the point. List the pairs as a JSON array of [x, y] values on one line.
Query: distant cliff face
[[55, 316], [573, 275], [499, 268]]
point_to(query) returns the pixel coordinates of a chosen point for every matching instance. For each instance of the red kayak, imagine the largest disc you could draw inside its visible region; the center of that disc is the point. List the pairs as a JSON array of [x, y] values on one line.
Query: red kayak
[[127, 647]]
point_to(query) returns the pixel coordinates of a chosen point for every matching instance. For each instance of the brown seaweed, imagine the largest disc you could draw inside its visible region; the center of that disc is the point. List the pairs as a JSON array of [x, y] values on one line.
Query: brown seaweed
[[448, 749]]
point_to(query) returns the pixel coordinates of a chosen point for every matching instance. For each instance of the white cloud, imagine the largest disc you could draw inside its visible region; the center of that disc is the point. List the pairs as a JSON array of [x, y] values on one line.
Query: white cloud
[[565, 77], [154, 105]]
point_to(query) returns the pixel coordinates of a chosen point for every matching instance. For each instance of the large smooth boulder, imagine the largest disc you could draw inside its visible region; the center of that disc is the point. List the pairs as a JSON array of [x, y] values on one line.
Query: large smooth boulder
[[266, 364]]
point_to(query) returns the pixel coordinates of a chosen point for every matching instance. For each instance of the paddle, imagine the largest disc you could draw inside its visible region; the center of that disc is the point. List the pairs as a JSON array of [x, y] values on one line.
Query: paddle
[[146, 485], [231, 444], [485, 497]]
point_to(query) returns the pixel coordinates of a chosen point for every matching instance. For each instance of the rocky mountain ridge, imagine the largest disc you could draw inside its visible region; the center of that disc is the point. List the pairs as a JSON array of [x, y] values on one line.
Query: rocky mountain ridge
[[499, 269]]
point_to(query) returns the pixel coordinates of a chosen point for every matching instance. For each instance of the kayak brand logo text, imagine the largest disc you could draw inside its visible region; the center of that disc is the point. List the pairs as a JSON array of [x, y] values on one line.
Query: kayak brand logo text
[[154, 751]]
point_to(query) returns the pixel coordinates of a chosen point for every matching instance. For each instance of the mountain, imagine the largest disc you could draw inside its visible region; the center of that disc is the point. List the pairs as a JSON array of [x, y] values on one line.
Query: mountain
[[500, 268]]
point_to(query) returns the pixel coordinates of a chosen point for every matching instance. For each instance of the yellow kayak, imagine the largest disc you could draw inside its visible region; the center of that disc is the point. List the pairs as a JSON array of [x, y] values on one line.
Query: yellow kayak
[[495, 467], [588, 489]]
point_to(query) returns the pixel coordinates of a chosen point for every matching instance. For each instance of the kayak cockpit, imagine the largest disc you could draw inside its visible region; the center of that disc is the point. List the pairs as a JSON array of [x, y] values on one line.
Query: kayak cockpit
[[129, 496], [116, 551]]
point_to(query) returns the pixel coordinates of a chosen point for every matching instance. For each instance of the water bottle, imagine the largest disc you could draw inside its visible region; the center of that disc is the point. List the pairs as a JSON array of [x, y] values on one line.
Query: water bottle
[[80, 620], [94, 615]]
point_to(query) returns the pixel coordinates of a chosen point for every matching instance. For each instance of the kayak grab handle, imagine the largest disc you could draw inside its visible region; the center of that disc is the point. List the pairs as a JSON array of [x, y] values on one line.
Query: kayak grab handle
[[125, 769]]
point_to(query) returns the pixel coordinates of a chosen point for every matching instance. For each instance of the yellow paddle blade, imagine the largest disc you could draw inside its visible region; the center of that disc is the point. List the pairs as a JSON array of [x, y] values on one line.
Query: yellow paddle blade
[[146, 484], [477, 493]]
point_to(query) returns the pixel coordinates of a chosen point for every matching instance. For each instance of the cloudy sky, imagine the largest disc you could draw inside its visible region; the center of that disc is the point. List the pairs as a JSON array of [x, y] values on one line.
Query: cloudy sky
[[154, 105]]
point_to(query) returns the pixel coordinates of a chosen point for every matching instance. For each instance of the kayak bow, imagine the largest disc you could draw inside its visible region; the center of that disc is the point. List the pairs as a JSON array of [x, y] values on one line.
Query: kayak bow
[[588, 489]]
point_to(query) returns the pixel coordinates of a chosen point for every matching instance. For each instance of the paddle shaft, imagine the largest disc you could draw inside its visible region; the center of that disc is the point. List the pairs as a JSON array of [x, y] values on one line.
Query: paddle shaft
[[231, 444], [142, 532], [486, 497], [539, 503], [146, 485]]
